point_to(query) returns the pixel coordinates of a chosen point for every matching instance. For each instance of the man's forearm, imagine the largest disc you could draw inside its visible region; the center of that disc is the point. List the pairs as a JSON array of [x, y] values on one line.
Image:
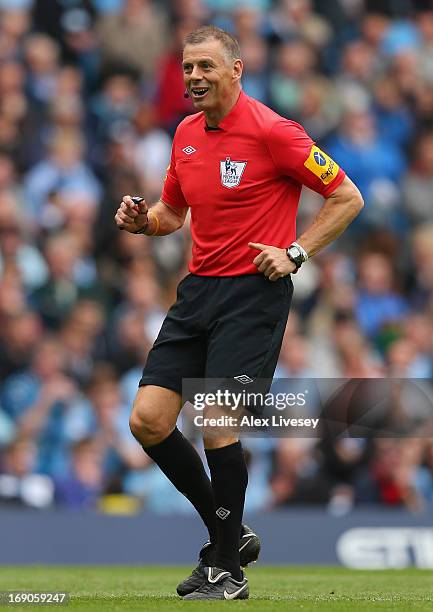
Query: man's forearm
[[337, 212], [163, 220]]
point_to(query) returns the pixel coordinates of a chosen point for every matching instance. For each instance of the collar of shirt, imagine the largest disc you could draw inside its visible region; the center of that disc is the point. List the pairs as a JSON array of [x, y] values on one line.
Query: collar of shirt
[[231, 118]]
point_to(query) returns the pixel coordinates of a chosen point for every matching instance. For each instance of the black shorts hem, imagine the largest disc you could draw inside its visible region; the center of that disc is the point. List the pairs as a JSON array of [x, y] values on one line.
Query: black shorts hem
[[159, 381]]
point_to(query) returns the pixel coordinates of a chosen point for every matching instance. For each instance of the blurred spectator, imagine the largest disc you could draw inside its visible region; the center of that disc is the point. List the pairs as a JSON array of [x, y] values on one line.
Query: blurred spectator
[[388, 479], [374, 164], [82, 339], [292, 18], [133, 38], [297, 477], [20, 332], [151, 151], [419, 330], [170, 104], [377, 303], [16, 252], [63, 170], [114, 107], [342, 459], [418, 182], [44, 403], [185, 10], [255, 77], [321, 109], [83, 485], [70, 82], [130, 343], [42, 58], [375, 25], [80, 43], [20, 484], [247, 22], [110, 426], [66, 283], [143, 298], [403, 361], [294, 359], [356, 358], [15, 22], [358, 66], [296, 61], [394, 121]]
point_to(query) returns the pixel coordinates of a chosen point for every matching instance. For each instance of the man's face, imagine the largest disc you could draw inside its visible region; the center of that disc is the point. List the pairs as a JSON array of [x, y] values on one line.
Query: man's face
[[209, 74]]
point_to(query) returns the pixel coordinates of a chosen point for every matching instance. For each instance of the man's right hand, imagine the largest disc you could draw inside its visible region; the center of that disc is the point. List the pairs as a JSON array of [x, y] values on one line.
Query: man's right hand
[[130, 216]]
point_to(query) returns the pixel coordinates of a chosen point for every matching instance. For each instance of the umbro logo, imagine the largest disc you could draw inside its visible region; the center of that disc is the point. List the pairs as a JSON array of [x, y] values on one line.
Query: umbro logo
[[189, 150], [222, 513], [244, 379]]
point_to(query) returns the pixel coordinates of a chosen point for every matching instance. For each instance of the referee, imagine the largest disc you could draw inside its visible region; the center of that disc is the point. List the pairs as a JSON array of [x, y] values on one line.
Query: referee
[[239, 167]]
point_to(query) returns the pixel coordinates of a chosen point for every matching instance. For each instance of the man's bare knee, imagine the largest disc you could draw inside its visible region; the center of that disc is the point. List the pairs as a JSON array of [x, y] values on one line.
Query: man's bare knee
[[154, 414], [148, 431]]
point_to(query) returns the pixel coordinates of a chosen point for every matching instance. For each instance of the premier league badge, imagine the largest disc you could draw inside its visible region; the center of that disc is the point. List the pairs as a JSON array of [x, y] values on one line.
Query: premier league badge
[[231, 172]]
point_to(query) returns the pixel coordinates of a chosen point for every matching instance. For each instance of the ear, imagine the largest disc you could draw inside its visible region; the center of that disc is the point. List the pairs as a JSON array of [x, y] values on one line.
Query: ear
[[238, 68]]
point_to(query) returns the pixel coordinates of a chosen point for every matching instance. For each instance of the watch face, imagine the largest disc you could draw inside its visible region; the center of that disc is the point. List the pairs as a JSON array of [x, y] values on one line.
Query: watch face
[[295, 255]]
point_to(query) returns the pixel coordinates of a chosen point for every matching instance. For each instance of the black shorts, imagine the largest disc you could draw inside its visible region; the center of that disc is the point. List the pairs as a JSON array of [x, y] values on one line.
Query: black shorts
[[220, 327]]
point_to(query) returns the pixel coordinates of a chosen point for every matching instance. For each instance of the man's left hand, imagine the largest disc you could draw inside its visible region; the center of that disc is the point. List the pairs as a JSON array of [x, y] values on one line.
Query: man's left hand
[[272, 261]]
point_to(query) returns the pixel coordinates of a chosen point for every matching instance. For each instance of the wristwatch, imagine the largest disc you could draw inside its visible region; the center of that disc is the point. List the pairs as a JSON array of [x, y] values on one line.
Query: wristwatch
[[297, 254]]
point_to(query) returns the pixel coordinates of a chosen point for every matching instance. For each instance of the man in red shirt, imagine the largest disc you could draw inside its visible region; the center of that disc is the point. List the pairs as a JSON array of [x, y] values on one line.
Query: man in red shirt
[[239, 168]]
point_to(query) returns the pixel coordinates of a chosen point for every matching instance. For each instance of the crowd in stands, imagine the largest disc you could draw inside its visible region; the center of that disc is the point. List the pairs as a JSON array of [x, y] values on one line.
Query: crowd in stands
[[91, 93]]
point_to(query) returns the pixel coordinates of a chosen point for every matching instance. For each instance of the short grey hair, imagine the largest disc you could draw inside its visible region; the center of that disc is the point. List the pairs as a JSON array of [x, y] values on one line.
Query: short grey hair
[[209, 32]]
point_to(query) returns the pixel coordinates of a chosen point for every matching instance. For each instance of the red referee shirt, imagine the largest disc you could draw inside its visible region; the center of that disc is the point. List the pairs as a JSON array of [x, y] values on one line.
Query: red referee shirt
[[242, 183]]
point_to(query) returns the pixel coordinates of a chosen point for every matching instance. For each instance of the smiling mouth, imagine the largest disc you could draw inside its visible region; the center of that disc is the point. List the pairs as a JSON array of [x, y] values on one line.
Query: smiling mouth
[[199, 92]]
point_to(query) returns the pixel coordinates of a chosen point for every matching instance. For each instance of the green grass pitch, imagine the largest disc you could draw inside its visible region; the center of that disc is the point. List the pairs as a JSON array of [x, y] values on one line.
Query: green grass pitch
[[272, 588]]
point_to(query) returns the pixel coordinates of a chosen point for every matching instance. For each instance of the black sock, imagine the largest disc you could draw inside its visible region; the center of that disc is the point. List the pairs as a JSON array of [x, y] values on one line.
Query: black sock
[[182, 465], [229, 477]]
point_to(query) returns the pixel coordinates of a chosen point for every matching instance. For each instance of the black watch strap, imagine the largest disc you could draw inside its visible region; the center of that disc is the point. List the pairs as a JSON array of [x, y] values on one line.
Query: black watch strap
[[296, 254]]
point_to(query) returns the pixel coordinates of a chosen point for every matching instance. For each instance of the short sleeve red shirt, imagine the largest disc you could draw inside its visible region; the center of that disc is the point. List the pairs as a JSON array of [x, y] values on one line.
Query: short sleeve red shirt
[[242, 183]]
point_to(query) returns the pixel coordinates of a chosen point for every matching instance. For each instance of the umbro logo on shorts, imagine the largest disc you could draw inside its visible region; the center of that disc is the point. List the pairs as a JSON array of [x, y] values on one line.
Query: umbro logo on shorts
[[222, 513], [189, 150], [244, 379]]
